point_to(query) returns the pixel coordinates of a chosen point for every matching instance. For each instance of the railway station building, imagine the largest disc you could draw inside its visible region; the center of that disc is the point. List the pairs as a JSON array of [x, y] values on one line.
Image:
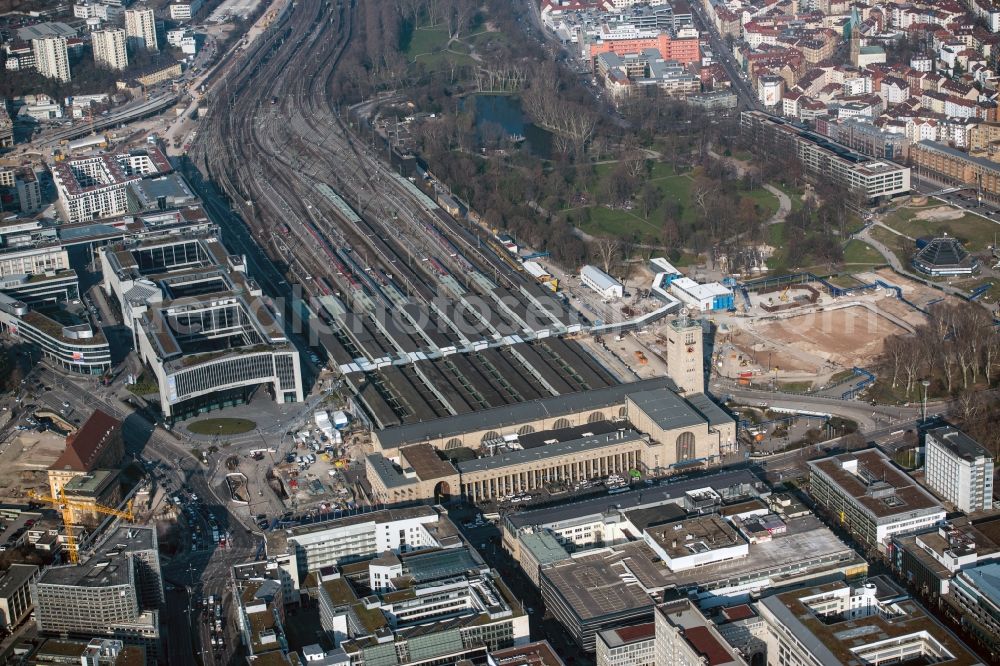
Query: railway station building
[[200, 323], [644, 427]]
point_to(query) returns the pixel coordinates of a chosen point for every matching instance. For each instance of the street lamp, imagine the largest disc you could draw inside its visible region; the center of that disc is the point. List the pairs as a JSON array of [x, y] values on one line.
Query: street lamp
[[923, 411]]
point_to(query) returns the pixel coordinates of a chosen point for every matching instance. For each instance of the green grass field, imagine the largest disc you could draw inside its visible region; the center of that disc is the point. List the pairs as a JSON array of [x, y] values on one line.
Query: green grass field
[[221, 426], [902, 247], [427, 40], [858, 253], [976, 233]]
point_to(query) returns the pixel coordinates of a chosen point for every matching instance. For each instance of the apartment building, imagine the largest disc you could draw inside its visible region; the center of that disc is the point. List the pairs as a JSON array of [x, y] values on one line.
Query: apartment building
[[110, 49], [959, 469], [951, 166], [872, 498], [52, 58], [140, 29]]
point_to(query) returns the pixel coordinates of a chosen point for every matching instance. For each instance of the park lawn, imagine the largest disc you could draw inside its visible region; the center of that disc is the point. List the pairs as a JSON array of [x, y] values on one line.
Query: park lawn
[[991, 296], [844, 281], [617, 223], [976, 233], [662, 170], [767, 202], [427, 40], [859, 253], [901, 247], [223, 426]]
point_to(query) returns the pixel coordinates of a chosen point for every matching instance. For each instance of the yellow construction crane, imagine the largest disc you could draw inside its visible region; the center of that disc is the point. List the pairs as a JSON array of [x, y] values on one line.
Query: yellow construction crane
[[784, 294], [67, 507]]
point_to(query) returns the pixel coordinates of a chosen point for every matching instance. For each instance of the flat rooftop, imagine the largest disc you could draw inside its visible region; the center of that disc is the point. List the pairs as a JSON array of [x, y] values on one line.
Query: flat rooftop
[[512, 415], [959, 443], [701, 534], [832, 642], [541, 453], [593, 587], [426, 462], [673, 491], [806, 544], [876, 484], [636, 633]]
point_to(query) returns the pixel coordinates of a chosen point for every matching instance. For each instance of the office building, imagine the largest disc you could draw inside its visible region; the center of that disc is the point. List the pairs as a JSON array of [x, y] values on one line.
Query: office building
[[95, 652], [200, 323], [627, 646], [140, 29], [959, 469], [872, 498], [52, 58], [115, 594], [303, 549], [537, 653], [260, 614], [975, 593], [15, 594], [822, 158], [684, 637], [440, 606], [74, 347], [877, 623], [930, 560], [109, 49]]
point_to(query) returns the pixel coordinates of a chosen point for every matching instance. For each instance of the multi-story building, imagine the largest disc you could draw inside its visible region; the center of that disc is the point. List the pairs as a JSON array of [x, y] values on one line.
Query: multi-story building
[[6, 126], [90, 188], [76, 348], [260, 615], [183, 10], [15, 594], [627, 646], [930, 560], [872, 498], [98, 444], [976, 594], [200, 323], [441, 606], [822, 158], [114, 594], [684, 637], [959, 469], [835, 624], [308, 548], [950, 166], [52, 58], [110, 49], [140, 29], [667, 432]]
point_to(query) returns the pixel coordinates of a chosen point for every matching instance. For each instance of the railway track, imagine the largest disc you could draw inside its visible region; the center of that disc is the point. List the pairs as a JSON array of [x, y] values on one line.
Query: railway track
[[392, 275]]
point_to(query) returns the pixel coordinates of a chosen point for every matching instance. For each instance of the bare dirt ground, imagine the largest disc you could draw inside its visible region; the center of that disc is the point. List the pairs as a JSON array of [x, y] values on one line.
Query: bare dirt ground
[[24, 460], [940, 214], [914, 291], [847, 336]]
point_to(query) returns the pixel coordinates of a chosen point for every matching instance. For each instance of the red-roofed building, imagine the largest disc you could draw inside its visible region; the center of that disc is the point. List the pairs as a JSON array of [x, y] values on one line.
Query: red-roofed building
[[685, 636], [633, 645], [539, 653], [98, 444]]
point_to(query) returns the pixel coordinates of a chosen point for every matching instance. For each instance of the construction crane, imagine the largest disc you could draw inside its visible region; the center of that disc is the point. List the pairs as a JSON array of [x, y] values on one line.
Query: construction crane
[[784, 294], [67, 506]]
